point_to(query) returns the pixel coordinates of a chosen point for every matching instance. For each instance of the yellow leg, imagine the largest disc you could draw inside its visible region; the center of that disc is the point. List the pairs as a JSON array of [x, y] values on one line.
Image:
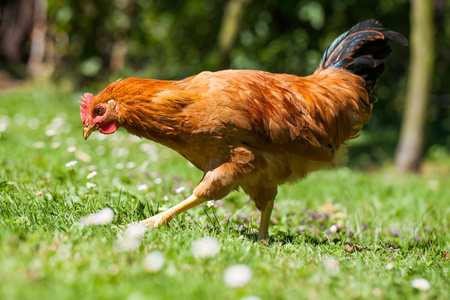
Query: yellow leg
[[265, 221], [167, 215]]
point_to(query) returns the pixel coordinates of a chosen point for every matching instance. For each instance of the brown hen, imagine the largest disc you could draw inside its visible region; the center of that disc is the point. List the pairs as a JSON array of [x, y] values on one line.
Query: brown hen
[[252, 129]]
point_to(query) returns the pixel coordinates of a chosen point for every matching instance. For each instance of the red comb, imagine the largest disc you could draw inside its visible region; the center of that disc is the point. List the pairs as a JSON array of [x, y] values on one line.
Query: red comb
[[84, 108]]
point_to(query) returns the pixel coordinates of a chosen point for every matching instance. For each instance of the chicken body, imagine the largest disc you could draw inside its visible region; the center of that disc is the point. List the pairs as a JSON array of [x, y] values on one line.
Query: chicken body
[[242, 128], [248, 128]]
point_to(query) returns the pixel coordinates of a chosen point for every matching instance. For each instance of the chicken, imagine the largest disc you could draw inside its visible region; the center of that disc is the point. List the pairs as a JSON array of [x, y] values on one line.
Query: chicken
[[251, 129]]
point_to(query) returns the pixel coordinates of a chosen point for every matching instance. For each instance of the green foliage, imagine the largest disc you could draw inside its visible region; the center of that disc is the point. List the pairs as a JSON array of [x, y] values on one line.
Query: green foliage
[[47, 253]]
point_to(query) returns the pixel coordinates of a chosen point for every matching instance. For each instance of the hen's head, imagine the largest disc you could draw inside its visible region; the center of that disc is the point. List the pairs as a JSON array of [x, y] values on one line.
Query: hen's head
[[98, 113]]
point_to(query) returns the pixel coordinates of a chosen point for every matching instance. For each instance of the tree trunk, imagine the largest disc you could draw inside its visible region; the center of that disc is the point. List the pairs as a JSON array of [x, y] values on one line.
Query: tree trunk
[[410, 146], [37, 39], [231, 24], [16, 21], [119, 47]]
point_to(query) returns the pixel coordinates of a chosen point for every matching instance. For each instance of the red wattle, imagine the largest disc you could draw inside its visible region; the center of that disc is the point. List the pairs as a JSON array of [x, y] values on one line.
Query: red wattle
[[108, 128]]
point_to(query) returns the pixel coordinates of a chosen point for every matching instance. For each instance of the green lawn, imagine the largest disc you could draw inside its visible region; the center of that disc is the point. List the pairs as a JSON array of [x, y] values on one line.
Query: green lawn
[[47, 253]]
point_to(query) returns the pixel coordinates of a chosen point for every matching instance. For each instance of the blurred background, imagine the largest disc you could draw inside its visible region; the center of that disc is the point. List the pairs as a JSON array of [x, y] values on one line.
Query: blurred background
[[80, 46]]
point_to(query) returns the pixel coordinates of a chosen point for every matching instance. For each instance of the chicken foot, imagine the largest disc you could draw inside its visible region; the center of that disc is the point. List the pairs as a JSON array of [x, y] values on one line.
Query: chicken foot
[[167, 215]]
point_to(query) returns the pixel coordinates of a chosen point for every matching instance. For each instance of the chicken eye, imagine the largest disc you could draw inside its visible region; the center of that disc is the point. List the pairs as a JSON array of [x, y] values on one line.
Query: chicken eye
[[99, 111]]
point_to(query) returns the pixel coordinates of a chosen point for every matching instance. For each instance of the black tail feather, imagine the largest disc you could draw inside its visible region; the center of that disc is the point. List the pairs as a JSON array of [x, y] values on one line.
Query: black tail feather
[[362, 50]]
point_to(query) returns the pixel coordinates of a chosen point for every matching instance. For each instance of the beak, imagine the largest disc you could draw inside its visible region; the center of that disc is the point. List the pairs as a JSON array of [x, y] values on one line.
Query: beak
[[88, 130]]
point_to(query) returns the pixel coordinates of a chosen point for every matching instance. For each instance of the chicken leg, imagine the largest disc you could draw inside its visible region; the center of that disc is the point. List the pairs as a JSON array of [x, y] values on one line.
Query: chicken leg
[[167, 215], [265, 221], [215, 184]]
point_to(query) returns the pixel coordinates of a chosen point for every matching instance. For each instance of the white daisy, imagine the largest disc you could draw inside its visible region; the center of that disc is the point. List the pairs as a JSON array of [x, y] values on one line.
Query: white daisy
[[4, 122], [127, 244], [180, 189], [237, 275], [250, 297], [71, 163], [421, 284], [205, 247], [142, 187], [135, 231], [154, 261], [131, 165], [55, 145], [91, 175], [101, 217], [90, 185], [71, 149], [50, 132], [333, 228]]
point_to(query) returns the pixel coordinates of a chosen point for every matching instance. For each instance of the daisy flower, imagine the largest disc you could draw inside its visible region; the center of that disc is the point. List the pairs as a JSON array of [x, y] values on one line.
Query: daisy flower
[[55, 145], [90, 185], [4, 122], [135, 231], [131, 165], [421, 284], [101, 217], [142, 187], [179, 189], [50, 132], [127, 244], [250, 297], [71, 163], [154, 261], [333, 228], [205, 247], [131, 238], [71, 149], [91, 175], [210, 203], [237, 276]]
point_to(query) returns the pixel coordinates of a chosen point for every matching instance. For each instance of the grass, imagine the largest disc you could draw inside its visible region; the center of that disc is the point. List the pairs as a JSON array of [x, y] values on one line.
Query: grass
[[403, 221]]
